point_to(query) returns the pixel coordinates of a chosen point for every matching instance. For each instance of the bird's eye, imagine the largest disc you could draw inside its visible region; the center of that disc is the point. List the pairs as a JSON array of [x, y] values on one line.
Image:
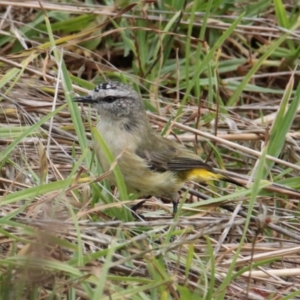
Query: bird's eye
[[109, 99]]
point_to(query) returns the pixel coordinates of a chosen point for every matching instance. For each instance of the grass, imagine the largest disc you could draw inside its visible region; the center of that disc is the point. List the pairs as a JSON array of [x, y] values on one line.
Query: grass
[[220, 77]]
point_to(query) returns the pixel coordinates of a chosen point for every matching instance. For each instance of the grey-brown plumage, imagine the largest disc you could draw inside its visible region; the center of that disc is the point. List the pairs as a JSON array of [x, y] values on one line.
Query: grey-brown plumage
[[150, 163]]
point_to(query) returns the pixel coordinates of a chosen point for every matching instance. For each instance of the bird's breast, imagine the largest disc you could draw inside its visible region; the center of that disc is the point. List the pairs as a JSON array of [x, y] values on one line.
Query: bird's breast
[[117, 139]]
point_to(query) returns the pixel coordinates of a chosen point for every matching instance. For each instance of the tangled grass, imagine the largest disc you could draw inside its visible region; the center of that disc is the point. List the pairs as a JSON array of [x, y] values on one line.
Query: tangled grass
[[222, 78]]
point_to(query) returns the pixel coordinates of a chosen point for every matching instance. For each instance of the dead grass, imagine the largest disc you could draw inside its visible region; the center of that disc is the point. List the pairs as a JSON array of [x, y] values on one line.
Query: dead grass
[[61, 235]]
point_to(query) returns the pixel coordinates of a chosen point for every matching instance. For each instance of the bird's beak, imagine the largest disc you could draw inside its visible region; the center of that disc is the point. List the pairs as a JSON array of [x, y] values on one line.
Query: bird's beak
[[84, 99]]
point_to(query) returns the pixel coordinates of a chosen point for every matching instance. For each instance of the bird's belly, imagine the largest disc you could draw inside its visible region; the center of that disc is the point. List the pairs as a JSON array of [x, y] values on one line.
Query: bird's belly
[[139, 179]]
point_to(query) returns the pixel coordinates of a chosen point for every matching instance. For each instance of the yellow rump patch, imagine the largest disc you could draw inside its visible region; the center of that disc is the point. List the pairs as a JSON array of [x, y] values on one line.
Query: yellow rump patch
[[202, 175]]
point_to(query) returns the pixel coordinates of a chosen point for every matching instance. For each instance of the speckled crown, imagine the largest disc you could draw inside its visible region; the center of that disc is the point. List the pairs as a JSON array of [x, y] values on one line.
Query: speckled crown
[[107, 86]]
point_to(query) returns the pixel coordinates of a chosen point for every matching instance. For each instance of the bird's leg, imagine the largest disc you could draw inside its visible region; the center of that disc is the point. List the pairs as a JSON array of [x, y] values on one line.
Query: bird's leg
[[135, 207], [175, 200]]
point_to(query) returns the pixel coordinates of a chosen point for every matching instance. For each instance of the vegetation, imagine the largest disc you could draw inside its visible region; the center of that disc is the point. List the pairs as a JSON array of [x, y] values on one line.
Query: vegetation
[[222, 77]]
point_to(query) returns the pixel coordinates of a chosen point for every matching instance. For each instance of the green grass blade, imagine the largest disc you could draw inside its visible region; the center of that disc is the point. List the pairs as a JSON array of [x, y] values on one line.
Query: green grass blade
[[97, 138]]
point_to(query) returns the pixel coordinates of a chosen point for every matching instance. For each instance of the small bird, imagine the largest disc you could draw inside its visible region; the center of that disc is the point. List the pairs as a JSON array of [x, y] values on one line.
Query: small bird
[[150, 164]]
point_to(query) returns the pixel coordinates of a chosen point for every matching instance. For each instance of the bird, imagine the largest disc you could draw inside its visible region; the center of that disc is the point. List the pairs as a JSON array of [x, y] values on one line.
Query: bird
[[151, 164]]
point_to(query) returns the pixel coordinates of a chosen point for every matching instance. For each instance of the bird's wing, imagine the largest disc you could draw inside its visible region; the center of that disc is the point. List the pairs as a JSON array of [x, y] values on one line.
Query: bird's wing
[[170, 157], [185, 163]]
